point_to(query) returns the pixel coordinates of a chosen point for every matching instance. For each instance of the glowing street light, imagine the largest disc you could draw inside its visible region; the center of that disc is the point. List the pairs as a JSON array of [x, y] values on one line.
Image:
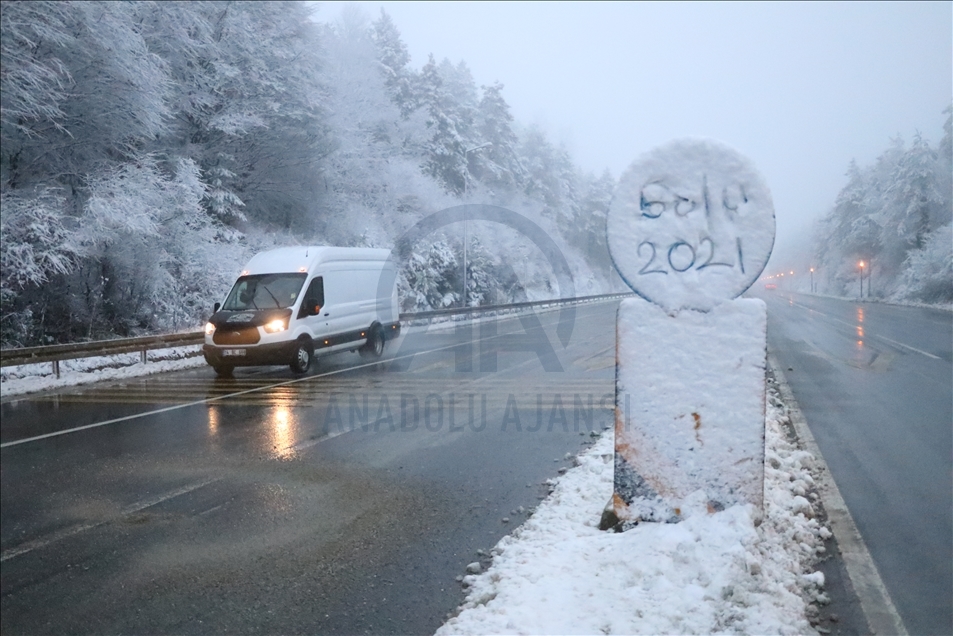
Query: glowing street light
[[862, 264], [812, 280]]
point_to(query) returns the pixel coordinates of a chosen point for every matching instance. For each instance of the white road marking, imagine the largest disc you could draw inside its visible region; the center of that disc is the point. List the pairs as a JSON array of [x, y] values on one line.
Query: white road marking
[[65, 533], [219, 398], [900, 344], [42, 542], [883, 338], [879, 610], [216, 398]]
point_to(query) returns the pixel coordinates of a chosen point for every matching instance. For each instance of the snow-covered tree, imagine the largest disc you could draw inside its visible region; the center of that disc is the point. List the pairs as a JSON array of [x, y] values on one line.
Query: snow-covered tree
[[35, 78], [928, 271], [248, 105], [434, 277], [393, 58], [35, 246], [886, 215], [590, 222], [444, 159], [146, 148], [912, 200], [373, 187], [150, 250], [106, 106], [500, 164], [99, 92]]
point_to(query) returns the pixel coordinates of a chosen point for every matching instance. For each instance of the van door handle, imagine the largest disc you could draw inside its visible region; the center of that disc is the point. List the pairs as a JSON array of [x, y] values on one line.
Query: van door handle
[[327, 314]]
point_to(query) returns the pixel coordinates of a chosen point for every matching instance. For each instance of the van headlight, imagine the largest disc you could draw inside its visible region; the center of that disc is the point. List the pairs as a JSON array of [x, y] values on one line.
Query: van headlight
[[209, 329], [276, 325]]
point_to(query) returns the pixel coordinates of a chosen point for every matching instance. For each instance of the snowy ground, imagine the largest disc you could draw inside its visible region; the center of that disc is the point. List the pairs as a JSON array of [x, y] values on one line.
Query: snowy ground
[[883, 301], [559, 574], [30, 378]]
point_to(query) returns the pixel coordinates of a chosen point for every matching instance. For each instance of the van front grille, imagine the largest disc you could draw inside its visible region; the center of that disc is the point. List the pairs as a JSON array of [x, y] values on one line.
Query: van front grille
[[236, 336]]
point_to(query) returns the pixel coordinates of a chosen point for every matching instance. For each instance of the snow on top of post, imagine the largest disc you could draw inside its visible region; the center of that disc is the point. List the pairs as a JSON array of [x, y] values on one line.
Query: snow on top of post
[[691, 225]]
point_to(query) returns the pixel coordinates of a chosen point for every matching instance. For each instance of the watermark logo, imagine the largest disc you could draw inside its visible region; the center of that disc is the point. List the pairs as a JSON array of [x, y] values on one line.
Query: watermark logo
[[464, 344], [454, 412]]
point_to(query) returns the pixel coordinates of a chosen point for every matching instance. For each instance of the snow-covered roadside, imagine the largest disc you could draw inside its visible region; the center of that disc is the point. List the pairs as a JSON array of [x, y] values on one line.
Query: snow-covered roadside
[[559, 574], [30, 378], [885, 301]]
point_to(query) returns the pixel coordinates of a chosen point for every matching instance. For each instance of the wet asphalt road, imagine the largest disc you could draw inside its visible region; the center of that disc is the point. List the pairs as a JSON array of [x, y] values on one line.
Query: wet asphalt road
[[875, 384], [266, 504]]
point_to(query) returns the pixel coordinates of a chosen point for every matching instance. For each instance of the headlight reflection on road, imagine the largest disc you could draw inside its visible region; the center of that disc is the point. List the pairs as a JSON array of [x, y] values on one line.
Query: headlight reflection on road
[[283, 432], [213, 421], [860, 327]]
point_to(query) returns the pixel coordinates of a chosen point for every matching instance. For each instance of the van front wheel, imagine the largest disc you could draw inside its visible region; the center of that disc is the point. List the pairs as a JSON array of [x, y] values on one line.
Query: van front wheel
[[301, 358], [374, 347], [224, 370]]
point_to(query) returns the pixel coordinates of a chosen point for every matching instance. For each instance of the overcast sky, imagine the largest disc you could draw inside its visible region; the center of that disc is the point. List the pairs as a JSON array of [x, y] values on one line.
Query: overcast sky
[[799, 88]]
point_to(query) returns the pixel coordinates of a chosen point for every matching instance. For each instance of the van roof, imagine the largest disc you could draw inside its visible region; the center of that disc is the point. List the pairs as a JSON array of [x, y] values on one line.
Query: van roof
[[305, 258]]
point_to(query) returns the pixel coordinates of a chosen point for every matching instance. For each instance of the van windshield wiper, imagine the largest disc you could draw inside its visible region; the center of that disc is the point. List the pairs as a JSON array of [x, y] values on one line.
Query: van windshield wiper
[[277, 302]]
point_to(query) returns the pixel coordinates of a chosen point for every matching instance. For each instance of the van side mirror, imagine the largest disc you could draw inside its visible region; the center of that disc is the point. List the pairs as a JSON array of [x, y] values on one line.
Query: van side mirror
[[216, 307]]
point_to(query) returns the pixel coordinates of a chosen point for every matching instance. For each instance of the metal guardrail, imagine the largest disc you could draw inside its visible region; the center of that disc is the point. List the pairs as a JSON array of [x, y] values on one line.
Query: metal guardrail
[[73, 351], [510, 307]]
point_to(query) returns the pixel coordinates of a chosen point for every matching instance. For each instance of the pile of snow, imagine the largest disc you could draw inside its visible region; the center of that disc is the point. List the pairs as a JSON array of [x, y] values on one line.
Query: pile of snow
[[559, 574], [30, 378]]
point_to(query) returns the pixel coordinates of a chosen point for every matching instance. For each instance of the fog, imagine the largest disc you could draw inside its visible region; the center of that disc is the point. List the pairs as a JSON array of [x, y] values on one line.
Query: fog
[[801, 89], [159, 145]]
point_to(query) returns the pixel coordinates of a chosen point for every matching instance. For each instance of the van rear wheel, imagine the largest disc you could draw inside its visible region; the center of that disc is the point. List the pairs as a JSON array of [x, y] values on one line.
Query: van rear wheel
[[374, 347], [301, 358]]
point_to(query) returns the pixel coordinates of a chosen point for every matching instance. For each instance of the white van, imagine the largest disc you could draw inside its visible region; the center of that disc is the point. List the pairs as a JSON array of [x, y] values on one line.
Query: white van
[[294, 303]]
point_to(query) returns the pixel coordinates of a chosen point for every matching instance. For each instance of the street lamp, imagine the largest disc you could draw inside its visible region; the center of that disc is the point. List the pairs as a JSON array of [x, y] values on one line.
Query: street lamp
[[466, 214], [812, 280], [870, 270]]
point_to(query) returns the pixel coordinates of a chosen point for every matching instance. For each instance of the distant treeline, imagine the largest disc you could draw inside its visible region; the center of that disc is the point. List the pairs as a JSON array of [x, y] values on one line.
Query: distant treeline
[[146, 149], [894, 215]]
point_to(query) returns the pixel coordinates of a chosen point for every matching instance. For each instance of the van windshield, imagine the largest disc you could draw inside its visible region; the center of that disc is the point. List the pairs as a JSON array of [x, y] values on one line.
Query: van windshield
[[264, 291]]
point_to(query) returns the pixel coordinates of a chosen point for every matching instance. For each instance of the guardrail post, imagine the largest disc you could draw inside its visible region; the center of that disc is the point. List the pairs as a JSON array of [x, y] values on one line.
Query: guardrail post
[[56, 368], [142, 356]]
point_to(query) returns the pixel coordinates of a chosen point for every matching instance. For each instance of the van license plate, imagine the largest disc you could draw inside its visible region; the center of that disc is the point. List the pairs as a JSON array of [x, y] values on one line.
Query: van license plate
[[233, 352]]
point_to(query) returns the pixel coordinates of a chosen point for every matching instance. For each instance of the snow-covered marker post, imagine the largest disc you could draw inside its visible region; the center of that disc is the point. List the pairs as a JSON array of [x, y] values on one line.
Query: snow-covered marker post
[[690, 228]]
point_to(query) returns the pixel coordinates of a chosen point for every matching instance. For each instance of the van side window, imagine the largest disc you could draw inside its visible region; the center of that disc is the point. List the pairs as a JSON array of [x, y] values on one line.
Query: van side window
[[314, 297]]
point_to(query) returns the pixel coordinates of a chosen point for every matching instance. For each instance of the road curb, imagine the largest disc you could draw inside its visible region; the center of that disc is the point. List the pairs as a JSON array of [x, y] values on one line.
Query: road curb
[[878, 608]]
